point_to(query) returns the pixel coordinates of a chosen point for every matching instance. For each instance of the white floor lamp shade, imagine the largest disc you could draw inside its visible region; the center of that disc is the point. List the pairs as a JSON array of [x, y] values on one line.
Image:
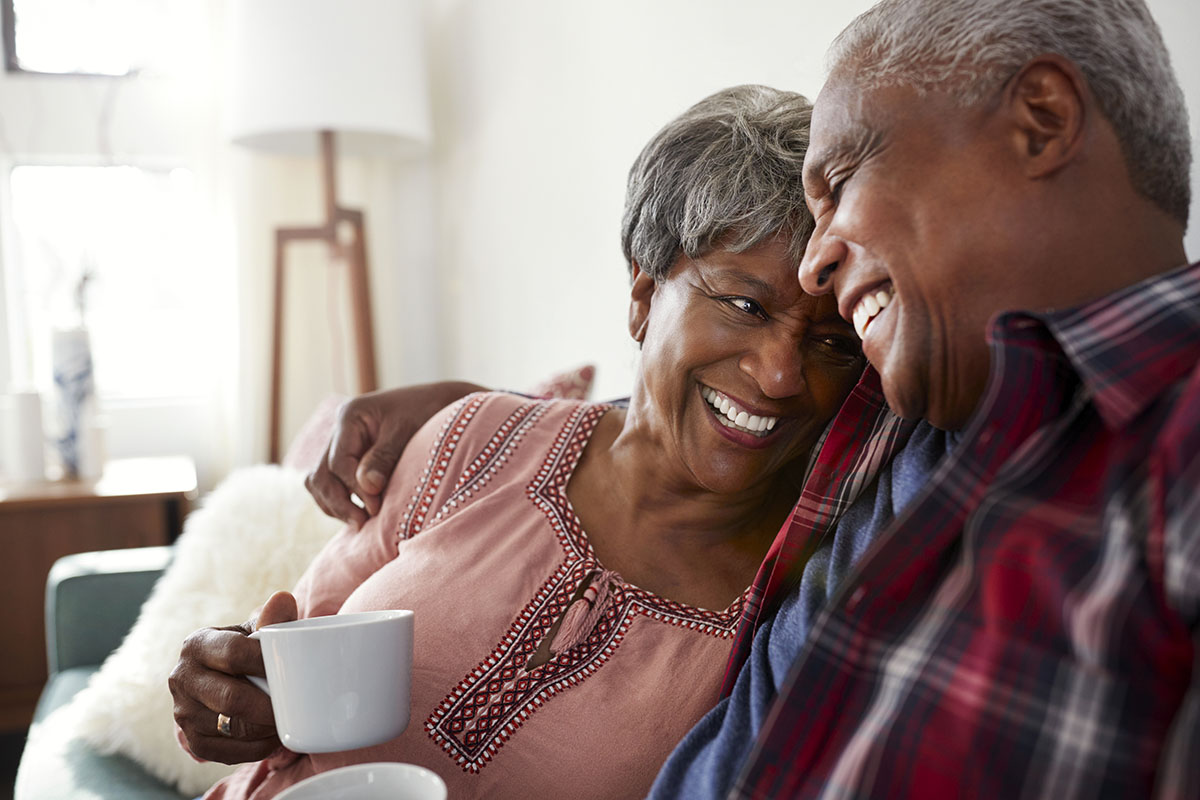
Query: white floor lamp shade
[[356, 67]]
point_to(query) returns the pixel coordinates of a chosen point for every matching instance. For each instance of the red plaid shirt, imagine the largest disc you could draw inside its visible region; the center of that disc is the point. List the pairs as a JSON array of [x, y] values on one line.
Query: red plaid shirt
[[1029, 625]]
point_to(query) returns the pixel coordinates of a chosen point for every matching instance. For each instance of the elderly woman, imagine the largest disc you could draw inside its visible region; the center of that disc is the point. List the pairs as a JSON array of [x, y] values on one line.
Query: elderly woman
[[577, 569]]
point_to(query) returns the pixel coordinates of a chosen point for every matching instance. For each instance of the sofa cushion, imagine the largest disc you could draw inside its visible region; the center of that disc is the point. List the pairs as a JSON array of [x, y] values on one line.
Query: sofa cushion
[[59, 690], [58, 765], [571, 384]]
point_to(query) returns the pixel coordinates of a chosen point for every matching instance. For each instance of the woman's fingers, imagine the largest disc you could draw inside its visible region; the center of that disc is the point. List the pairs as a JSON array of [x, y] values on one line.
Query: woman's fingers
[[198, 719], [208, 681], [245, 742], [227, 650], [220, 694], [280, 607]]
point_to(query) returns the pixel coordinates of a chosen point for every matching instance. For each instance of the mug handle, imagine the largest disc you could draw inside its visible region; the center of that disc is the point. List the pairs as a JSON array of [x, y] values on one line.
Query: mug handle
[[257, 681]]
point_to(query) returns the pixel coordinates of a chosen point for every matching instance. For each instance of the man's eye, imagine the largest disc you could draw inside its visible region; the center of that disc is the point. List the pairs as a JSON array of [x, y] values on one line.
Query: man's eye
[[841, 346], [835, 190], [747, 305]]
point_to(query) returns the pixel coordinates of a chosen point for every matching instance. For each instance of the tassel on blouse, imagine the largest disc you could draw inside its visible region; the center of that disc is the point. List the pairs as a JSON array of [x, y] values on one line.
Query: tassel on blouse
[[583, 614]]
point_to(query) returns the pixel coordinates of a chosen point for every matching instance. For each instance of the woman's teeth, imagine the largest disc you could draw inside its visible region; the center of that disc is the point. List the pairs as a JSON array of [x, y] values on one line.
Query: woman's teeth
[[870, 305], [733, 417]]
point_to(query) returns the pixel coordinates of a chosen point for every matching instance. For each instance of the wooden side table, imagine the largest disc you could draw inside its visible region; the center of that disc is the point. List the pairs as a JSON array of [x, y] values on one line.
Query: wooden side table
[[137, 502]]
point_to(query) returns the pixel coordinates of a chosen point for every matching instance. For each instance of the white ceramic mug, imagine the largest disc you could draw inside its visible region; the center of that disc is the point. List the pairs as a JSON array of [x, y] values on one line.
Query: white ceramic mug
[[375, 781], [339, 682]]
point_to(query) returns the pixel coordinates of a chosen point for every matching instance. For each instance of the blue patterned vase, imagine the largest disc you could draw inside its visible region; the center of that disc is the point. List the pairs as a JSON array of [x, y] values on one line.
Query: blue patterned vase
[[75, 388]]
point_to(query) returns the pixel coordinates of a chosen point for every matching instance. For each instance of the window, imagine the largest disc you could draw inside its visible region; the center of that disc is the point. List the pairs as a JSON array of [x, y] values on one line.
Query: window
[[117, 178], [120, 241]]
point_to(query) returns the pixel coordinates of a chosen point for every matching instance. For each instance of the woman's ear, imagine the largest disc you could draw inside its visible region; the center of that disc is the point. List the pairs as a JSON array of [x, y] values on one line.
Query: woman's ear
[[640, 296]]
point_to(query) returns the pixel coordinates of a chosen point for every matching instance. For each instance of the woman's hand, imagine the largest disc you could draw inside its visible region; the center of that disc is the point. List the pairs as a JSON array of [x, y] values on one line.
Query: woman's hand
[[208, 681], [367, 440]]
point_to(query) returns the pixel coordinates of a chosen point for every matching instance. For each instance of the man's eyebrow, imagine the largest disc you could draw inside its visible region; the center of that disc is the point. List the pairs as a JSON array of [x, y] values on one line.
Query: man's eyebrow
[[851, 145], [814, 169]]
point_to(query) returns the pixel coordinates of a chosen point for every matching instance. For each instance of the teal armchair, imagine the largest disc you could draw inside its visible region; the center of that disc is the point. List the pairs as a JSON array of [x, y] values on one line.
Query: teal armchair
[[92, 600]]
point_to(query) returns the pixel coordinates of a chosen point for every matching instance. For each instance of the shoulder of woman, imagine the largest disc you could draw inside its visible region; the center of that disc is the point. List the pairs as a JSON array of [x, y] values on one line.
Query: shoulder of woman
[[479, 434], [500, 405], [485, 420]]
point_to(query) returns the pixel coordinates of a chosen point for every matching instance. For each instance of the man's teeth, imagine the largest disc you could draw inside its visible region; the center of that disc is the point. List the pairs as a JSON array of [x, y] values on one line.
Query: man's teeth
[[870, 305], [733, 417]]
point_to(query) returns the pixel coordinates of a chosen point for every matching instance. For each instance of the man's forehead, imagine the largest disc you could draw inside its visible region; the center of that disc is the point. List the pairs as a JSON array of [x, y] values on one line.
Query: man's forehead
[[838, 126], [849, 120]]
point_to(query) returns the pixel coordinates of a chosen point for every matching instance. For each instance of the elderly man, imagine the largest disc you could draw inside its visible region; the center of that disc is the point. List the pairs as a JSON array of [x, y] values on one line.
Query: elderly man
[[1000, 191]]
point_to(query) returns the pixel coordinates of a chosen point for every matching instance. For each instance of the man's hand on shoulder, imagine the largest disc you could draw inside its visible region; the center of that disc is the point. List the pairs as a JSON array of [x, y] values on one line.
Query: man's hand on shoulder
[[368, 437]]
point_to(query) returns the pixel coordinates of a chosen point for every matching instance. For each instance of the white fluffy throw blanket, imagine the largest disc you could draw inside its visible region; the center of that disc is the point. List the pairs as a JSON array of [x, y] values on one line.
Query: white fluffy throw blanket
[[254, 534]]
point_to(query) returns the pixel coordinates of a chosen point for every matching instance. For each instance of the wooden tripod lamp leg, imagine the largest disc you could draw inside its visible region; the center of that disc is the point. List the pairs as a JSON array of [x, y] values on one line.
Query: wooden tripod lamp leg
[[277, 349], [360, 301], [355, 254]]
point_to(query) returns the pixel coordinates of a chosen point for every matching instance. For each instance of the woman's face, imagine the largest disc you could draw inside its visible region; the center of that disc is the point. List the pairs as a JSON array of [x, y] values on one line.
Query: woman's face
[[740, 369]]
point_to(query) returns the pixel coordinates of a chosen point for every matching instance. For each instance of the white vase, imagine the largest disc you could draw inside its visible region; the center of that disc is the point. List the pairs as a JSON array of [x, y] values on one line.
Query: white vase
[[24, 458]]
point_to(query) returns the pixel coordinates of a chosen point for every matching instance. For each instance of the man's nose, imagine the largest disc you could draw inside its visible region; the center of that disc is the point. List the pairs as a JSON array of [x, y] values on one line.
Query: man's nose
[[821, 259]]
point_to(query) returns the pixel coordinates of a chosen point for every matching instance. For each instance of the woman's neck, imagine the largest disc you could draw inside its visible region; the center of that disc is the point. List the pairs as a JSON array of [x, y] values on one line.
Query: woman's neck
[[649, 520]]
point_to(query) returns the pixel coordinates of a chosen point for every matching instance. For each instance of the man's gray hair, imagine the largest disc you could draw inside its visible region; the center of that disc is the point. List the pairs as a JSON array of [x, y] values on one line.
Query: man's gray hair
[[726, 174], [970, 48]]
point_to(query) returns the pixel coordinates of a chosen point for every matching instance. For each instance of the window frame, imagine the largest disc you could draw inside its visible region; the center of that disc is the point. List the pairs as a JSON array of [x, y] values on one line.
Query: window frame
[[8, 26], [12, 64]]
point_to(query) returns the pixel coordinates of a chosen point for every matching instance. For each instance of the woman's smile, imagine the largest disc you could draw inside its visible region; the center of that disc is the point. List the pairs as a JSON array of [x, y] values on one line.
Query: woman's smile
[[739, 424]]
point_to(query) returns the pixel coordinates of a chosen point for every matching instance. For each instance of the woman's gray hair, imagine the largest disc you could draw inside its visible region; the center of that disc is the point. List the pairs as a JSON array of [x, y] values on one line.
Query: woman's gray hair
[[970, 48], [726, 173]]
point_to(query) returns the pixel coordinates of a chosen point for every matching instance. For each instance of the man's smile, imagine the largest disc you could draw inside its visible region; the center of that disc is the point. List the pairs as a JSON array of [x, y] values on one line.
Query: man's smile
[[869, 306]]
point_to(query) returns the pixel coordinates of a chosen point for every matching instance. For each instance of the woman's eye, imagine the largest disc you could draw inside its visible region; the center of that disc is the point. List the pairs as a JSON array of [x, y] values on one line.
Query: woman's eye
[[747, 305]]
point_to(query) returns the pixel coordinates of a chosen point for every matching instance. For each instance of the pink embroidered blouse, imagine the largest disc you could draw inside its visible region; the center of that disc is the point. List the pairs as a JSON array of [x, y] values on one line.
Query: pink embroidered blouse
[[477, 537]]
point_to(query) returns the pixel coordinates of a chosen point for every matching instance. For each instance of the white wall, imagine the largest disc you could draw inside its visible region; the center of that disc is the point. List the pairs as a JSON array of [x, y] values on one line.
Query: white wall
[[540, 108]]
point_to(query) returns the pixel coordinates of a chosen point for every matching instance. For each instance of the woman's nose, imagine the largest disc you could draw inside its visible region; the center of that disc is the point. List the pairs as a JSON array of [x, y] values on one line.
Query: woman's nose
[[777, 365]]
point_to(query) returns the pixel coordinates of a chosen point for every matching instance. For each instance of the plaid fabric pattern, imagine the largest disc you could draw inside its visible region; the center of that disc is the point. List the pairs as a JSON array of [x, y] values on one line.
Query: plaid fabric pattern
[[1029, 625], [860, 440]]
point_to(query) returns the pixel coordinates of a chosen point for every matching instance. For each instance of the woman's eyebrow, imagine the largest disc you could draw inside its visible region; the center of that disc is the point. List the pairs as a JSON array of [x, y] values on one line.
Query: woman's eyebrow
[[751, 283]]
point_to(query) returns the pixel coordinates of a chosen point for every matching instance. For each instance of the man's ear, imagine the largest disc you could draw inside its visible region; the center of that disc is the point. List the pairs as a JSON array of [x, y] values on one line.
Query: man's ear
[[1049, 101], [639, 303]]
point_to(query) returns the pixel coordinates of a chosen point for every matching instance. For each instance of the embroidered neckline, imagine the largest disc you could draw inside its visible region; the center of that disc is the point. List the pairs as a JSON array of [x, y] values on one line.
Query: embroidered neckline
[[489, 704], [548, 490]]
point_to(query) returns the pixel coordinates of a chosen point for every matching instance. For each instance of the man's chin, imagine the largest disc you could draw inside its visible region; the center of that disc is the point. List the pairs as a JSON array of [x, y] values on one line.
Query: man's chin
[[919, 406], [904, 399]]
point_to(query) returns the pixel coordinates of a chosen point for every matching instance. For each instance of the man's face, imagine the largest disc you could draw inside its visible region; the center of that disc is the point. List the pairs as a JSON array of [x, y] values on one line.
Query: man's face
[[914, 217]]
